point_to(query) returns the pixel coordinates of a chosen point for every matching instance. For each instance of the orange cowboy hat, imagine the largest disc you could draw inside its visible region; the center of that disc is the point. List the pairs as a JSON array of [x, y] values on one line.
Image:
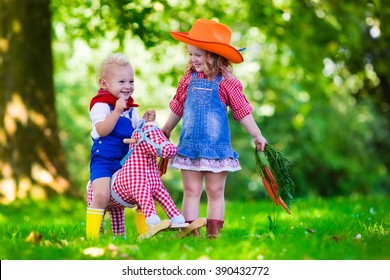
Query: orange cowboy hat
[[211, 36]]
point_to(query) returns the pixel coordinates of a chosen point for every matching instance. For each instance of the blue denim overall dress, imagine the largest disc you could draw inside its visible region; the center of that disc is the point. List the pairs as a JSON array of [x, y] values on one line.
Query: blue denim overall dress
[[205, 132], [108, 151]]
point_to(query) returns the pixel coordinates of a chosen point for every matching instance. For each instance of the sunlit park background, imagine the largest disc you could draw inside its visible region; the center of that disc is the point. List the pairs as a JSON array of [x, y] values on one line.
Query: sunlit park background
[[316, 72]]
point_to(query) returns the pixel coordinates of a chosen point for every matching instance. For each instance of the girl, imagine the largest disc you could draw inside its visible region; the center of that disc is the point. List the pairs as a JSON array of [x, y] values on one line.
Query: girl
[[204, 150]]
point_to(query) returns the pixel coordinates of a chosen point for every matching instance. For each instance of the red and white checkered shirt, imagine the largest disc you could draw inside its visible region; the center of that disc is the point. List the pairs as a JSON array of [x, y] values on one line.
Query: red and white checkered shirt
[[230, 93]]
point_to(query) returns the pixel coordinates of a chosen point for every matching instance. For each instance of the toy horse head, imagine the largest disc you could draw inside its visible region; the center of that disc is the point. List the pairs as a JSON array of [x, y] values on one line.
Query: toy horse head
[[152, 141]]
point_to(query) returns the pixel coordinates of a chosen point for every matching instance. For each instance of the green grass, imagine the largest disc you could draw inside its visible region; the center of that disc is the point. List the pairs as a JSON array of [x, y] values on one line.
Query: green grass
[[319, 229]]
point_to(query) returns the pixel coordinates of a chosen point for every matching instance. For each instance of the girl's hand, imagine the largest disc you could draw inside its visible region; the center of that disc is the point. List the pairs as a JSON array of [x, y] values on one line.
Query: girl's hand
[[120, 105], [260, 142]]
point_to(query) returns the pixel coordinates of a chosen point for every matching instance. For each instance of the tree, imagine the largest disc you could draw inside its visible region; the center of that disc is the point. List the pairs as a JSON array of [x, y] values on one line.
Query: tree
[[32, 161], [315, 71], [312, 69]]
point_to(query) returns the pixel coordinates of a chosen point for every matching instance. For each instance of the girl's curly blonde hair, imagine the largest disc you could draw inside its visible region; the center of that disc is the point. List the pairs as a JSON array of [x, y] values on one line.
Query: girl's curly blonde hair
[[112, 59], [214, 65]]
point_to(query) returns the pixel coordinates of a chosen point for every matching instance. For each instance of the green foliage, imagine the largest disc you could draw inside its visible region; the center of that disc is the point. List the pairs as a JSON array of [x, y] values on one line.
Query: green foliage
[[341, 228], [314, 71]]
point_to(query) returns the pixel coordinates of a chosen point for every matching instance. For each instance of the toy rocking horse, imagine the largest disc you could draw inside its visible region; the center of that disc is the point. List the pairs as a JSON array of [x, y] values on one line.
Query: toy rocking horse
[[138, 184]]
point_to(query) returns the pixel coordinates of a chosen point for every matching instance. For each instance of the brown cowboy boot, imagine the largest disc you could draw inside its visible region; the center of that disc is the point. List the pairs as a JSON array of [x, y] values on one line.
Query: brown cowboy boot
[[213, 228]]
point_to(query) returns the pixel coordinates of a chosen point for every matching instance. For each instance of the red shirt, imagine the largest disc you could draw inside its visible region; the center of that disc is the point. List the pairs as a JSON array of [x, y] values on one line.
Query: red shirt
[[230, 93]]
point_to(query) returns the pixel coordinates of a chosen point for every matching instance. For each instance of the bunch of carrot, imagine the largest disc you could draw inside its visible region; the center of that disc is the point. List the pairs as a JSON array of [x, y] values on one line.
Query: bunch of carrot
[[281, 185]]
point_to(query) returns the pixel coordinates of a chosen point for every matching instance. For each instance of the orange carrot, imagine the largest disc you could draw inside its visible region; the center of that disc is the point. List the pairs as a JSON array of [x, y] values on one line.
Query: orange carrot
[[284, 205], [271, 178], [270, 190], [269, 173]]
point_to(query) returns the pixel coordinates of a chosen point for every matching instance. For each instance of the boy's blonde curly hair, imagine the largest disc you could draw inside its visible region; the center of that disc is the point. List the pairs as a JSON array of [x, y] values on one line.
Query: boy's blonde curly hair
[[112, 59]]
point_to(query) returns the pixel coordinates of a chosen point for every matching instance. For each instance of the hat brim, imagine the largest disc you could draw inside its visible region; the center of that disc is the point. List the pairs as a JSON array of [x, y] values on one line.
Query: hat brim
[[224, 50]]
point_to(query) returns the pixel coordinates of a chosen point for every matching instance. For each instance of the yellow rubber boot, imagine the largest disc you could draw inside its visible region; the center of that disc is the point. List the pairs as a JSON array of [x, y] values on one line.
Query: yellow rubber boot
[[93, 223], [140, 222]]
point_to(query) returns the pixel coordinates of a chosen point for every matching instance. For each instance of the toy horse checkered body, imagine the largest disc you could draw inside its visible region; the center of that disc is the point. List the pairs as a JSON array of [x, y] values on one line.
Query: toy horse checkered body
[[138, 182]]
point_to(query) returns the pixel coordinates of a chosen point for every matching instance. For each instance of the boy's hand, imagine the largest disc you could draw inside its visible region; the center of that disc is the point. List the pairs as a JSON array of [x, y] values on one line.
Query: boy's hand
[[120, 105], [150, 116], [129, 141]]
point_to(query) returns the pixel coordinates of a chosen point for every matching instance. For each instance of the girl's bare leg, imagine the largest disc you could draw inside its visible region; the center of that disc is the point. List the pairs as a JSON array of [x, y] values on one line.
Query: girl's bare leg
[[192, 184], [215, 190]]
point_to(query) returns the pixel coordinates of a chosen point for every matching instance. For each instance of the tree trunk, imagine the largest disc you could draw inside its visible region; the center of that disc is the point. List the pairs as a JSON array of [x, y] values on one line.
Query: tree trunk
[[32, 162]]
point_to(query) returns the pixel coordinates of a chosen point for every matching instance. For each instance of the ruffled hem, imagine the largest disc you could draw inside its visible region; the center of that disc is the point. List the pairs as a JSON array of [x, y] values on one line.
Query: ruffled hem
[[204, 164], [206, 153]]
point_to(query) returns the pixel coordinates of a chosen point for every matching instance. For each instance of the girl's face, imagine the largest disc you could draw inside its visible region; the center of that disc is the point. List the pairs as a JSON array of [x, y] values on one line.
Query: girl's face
[[119, 81], [197, 57]]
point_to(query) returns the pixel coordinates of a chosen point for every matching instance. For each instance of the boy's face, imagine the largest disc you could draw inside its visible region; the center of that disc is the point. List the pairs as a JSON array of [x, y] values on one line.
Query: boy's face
[[119, 81], [197, 57]]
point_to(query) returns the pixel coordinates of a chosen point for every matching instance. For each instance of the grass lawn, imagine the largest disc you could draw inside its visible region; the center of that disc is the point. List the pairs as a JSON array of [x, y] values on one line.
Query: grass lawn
[[343, 228]]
